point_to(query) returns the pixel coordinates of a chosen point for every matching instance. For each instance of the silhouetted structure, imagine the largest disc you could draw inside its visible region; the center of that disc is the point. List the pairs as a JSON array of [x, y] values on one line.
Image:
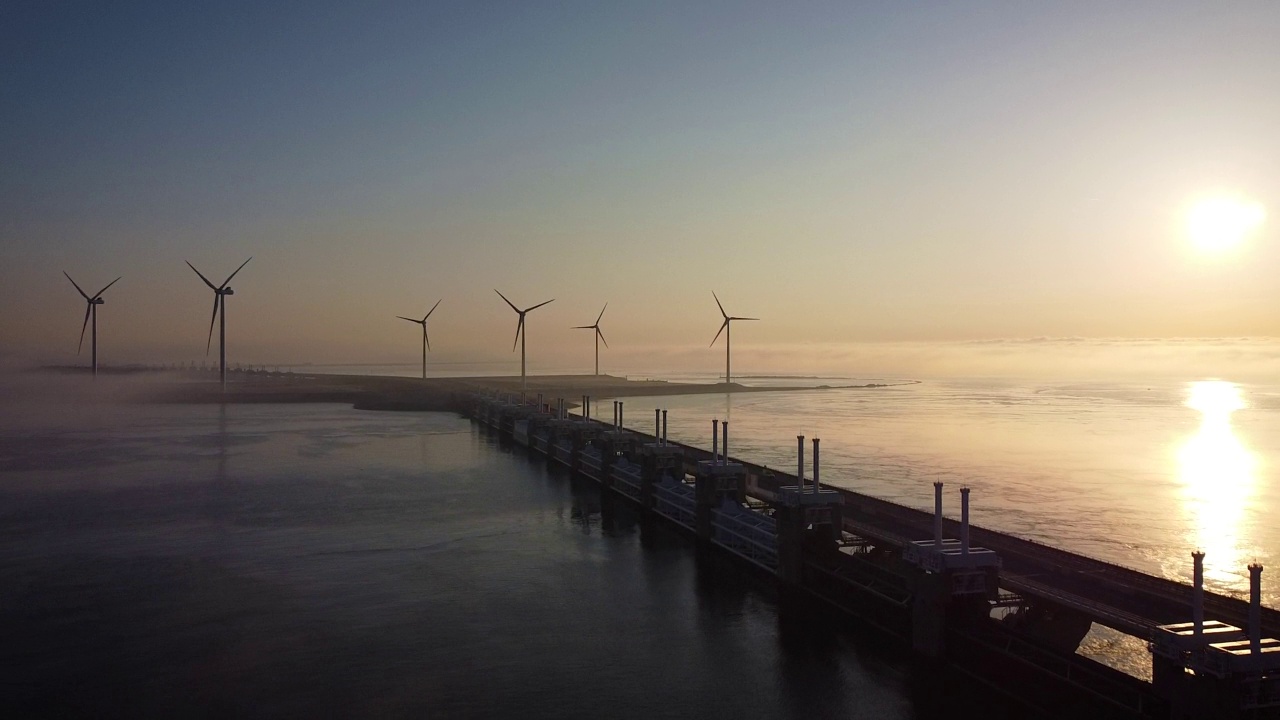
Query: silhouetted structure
[[724, 328], [426, 343], [220, 294], [599, 336], [520, 334], [91, 312]]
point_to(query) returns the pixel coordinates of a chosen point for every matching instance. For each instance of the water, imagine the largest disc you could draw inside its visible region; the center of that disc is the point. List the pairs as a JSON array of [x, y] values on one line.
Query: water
[[342, 529], [1138, 475], [314, 560]]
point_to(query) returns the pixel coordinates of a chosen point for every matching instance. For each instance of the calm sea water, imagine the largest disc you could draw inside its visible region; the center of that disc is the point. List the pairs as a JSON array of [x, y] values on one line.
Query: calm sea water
[[318, 561], [1139, 475]]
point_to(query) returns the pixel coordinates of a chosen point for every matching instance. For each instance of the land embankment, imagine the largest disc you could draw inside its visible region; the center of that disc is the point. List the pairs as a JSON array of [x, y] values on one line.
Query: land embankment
[[397, 393]]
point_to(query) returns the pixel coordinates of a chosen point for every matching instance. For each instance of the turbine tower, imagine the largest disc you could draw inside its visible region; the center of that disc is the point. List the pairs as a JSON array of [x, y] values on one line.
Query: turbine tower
[[520, 334], [426, 343], [724, 328], [599, 335], [91, 311], [220, 293]]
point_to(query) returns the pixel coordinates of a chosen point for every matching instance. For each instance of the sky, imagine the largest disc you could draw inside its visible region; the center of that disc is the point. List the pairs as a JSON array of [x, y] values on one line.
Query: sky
[[862, 176]]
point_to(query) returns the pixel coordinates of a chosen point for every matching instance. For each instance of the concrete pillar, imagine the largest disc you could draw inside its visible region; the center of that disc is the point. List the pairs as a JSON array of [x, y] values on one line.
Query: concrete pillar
[[929, 614], [790, 526], [964, 521]]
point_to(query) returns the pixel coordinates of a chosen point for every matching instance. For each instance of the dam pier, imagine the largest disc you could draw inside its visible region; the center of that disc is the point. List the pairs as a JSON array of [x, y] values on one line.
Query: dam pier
[[999, 610]]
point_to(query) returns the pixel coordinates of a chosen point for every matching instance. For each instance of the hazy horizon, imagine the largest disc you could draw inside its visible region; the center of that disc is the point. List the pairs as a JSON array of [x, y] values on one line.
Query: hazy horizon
[[1249, 360], [856, 175]]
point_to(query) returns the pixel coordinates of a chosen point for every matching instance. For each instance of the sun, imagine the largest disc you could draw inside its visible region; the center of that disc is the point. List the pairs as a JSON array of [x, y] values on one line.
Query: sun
[[1217, 224]]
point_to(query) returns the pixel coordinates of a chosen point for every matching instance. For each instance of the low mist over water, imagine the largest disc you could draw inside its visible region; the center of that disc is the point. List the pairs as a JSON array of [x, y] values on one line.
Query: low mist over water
[[313, 560]]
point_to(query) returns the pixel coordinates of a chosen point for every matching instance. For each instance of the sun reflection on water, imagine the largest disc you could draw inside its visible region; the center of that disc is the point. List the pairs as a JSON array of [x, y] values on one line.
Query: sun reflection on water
[[1218, 477]]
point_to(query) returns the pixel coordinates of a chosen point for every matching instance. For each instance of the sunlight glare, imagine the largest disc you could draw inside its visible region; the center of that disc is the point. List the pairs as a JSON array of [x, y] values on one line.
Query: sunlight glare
[[1221, 223], [1217, 473]]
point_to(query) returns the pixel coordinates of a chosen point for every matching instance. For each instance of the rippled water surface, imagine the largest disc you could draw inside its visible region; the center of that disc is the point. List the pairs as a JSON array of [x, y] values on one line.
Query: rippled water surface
[[318, 561]]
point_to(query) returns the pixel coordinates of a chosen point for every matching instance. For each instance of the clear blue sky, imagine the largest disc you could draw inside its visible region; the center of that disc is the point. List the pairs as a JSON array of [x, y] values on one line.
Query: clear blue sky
[[851, 172]]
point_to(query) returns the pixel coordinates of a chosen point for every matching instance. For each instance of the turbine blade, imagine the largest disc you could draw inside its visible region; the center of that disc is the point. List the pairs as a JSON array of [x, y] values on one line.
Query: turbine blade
[[519, 327], [723, 325], [582, 327], [209, 343], [738, 318], [228, 280], [606, 342], [425, 337], [722, 312], [113, 282], [504, 297], [433, 309], [87, 310], [535, 307], [73, 282], [606, 307], [409, 319], [202, 277]]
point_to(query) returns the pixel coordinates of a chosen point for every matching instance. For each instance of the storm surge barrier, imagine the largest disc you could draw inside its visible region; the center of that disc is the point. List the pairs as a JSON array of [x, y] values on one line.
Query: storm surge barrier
[[1003, 610]]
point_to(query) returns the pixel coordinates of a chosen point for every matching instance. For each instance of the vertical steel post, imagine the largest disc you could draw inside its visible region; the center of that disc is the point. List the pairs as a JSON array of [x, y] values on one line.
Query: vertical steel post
[[1255, 608], [800, 463], [937, 515], [816, 484], [1197, 593]]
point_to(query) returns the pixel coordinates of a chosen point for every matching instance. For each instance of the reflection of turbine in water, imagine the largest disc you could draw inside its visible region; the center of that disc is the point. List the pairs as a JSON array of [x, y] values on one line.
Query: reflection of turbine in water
[[1217, 474]]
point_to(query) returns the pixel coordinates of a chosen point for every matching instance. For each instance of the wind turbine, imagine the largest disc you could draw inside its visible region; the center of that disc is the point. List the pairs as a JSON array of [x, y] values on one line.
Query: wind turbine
[[599, 335], [426, 343], [724, 328], [220, 293], [520, 334], [91, 311]]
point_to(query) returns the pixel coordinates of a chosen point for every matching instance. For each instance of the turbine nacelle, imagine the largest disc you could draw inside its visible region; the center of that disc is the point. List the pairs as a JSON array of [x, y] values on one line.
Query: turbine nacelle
[[521, 314], [98, 301]]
